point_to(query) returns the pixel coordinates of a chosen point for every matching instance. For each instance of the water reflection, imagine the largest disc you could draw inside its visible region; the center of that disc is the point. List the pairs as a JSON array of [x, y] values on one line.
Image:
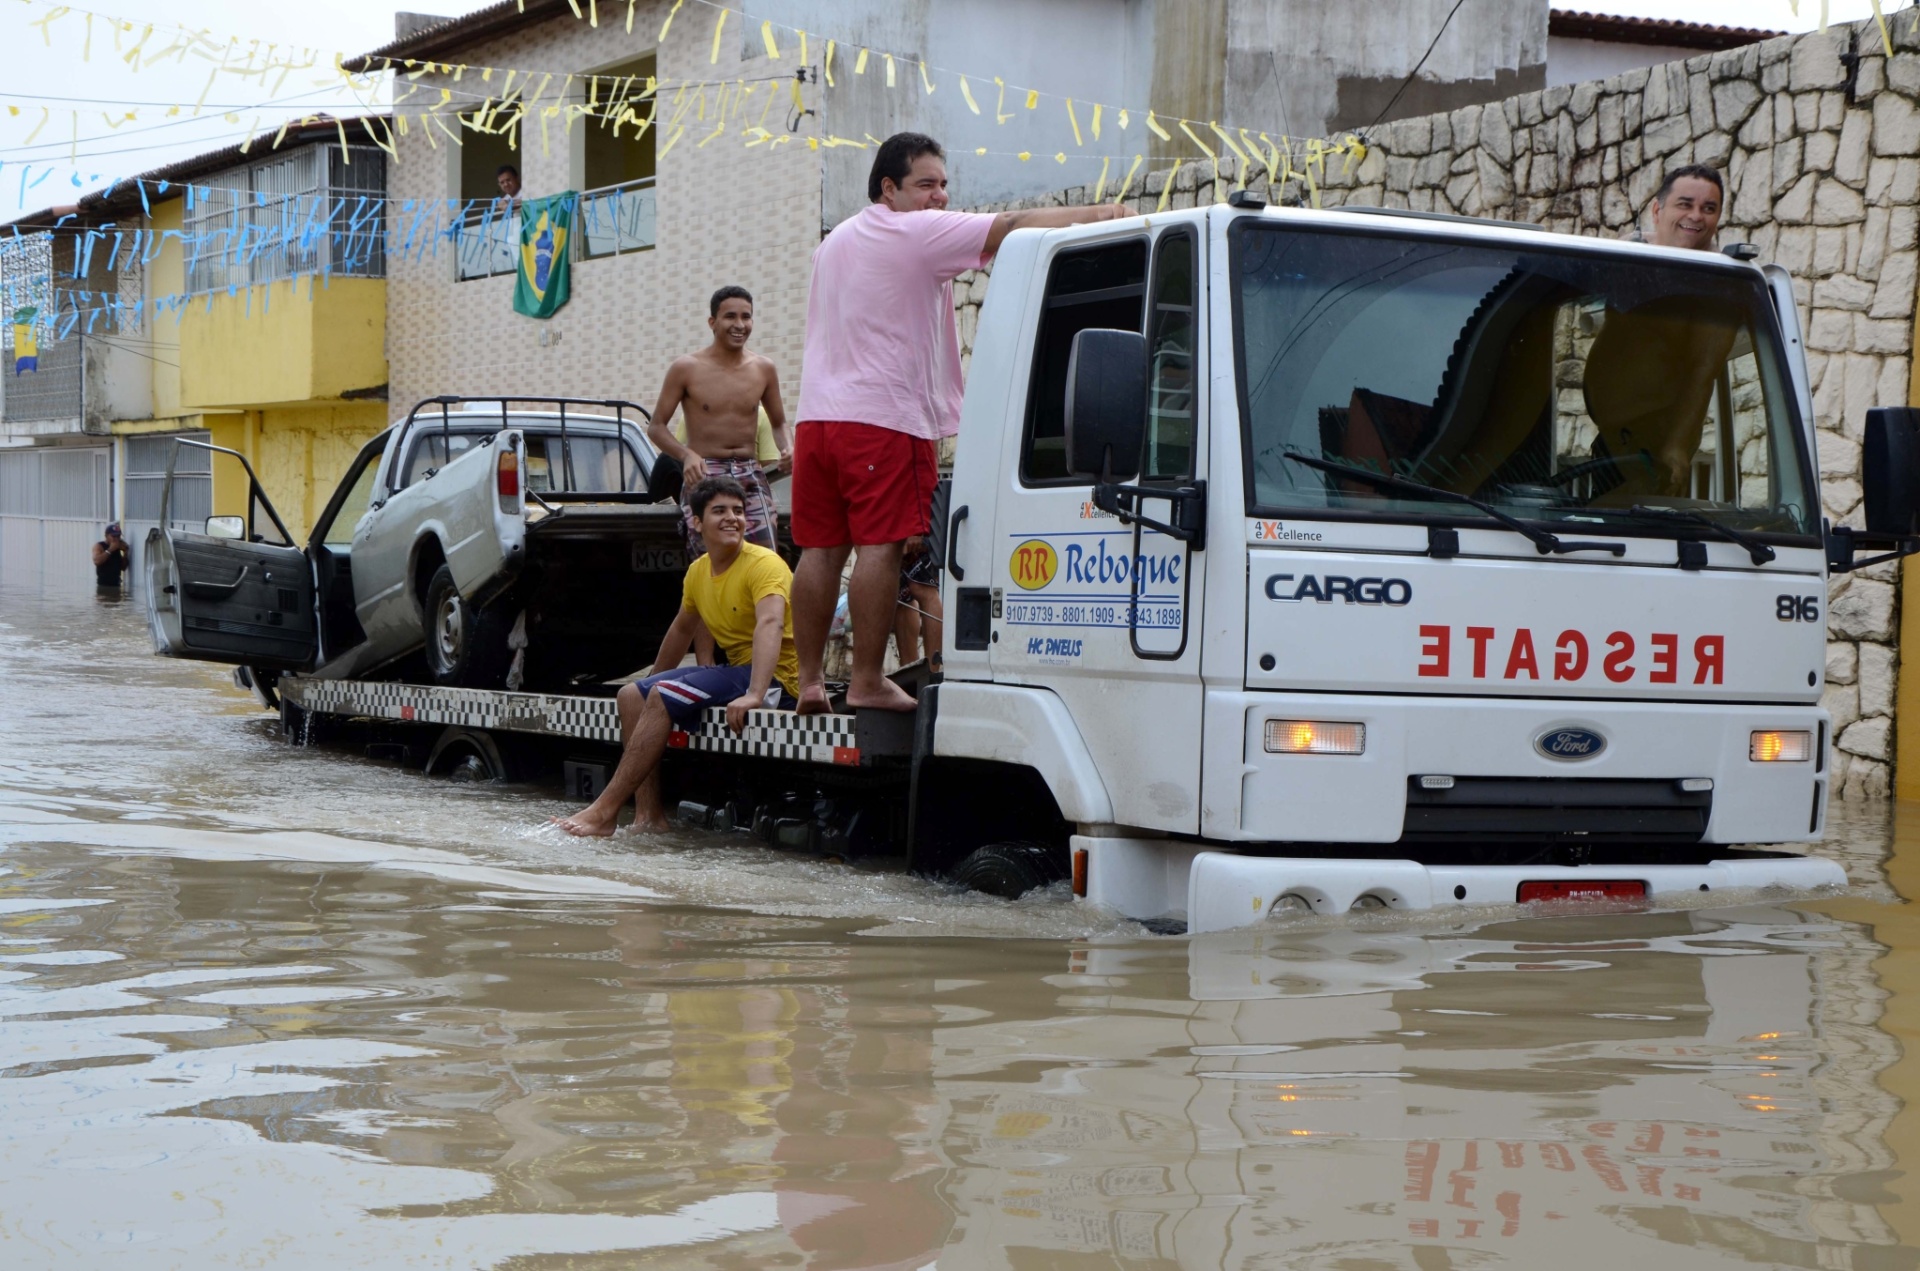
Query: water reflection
[[267, 1033]]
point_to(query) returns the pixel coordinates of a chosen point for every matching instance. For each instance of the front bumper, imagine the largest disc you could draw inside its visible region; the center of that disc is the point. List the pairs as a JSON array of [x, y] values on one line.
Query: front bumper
[[1254, 796], [1153, 878]]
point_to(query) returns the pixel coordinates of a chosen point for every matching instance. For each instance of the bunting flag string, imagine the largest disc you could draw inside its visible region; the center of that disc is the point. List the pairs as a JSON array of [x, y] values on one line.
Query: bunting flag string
[[626, 102]]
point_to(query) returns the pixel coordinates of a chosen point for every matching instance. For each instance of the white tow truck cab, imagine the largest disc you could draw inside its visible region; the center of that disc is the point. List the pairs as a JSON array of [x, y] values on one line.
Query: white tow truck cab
[[1316, 560], [1305, 561]]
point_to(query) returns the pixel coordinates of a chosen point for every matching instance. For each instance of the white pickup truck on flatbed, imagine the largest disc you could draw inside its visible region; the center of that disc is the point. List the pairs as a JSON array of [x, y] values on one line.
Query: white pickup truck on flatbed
[[1314, 561]]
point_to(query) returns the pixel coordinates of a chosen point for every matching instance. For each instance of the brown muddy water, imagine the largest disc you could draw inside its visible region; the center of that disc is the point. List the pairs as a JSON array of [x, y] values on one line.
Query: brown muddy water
[[272, 1007]]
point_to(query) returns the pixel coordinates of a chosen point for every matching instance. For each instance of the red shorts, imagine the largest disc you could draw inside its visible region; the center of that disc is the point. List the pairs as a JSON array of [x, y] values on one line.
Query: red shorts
[[860, 484]]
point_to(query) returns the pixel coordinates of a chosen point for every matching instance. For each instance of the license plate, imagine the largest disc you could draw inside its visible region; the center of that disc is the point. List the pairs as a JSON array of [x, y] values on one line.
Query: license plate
[[658, 560], [1583, 889]]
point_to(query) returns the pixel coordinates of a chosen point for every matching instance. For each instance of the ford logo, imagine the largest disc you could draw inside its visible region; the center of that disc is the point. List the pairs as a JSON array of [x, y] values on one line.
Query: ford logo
[[1569, 743]]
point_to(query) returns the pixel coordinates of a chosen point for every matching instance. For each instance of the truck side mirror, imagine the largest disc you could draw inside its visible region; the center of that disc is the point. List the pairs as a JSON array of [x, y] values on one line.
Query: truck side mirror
[[1106, 415], [226, 527], [1890, 471], [663, 482]]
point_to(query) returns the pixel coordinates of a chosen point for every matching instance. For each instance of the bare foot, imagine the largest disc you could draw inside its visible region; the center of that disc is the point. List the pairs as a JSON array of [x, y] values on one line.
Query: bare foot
[[587, 824], [886, 696], [652, 825], [813, 701]]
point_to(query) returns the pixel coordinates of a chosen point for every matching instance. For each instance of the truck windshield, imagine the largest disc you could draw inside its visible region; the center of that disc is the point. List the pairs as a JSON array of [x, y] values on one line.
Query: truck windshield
[[1556, 385]]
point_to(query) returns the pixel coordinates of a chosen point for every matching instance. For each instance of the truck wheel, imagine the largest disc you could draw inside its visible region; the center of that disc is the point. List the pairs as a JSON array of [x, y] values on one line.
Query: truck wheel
[[467, 755], [466, 647], [1011, 869]]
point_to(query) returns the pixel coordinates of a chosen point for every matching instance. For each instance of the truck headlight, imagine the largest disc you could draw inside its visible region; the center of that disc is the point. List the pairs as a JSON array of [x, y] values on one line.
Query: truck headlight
[[1780, 747], [1315, 737]]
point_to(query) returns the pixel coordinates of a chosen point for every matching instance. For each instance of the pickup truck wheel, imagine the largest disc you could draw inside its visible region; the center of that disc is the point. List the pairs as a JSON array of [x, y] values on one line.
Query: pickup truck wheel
[[466, 647], [467, 755], [1011, 870]]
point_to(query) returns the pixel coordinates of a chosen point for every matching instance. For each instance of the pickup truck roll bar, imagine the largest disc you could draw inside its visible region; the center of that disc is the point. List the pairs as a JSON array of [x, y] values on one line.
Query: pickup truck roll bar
[[619, 406]]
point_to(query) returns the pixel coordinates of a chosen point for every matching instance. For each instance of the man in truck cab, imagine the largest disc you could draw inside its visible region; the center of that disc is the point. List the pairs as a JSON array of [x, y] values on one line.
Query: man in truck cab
[[738, 593], [722, 389], [882, 386], [1686, 208]]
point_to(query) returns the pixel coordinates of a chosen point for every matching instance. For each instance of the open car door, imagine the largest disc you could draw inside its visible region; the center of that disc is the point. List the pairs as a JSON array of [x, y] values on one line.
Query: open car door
[[238, 592]]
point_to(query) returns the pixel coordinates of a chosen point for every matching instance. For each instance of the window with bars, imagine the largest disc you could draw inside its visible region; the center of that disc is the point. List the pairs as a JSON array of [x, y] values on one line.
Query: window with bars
[[316, 210]]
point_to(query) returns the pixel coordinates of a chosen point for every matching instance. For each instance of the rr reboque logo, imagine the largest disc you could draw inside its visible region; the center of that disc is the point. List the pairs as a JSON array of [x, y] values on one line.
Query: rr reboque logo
[[1033, 564]]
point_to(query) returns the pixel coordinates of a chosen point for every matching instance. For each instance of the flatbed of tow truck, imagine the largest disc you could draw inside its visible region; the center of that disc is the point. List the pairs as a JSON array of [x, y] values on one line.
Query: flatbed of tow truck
[[793, 792]]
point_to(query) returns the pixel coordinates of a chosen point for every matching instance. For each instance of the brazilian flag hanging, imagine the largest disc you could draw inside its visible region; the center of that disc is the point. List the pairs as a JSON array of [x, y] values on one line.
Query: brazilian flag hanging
[[546, 225]]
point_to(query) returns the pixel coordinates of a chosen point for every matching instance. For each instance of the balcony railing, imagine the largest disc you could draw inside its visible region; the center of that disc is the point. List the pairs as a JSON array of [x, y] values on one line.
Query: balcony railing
[[610, 221], [486, 240], [617, 219]]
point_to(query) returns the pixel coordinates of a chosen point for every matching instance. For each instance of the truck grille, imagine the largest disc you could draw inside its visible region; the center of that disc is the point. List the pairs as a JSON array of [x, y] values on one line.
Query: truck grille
[[1548, 809]]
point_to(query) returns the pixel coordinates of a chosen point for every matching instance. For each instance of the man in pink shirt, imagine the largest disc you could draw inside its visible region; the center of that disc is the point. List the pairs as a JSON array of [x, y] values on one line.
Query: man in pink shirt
[[880, 386]]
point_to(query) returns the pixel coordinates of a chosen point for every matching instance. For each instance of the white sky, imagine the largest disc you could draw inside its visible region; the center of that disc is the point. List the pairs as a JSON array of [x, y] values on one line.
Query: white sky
[[76, 150]]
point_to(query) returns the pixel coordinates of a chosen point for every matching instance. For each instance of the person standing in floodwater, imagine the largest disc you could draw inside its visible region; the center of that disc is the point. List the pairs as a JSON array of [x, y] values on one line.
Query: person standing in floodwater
[[882, 386], [111, 557]]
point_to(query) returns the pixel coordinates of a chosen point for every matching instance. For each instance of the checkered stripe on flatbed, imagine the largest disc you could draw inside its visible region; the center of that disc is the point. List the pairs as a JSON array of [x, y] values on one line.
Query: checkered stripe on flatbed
[[551, 714], [824, 739], [827, 739]]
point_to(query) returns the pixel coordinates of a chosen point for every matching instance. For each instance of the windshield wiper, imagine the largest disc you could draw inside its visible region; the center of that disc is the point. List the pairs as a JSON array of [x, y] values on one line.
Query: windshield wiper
[[1545, 542], [1759, 553]]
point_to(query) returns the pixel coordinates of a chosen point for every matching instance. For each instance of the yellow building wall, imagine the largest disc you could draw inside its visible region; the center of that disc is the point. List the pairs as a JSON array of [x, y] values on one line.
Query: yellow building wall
[[284, 343], [263, 371], [166, 276], [298, 452]]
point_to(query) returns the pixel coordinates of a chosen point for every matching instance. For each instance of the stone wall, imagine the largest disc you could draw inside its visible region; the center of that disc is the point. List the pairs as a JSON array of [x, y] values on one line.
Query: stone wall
[[1822, 177]]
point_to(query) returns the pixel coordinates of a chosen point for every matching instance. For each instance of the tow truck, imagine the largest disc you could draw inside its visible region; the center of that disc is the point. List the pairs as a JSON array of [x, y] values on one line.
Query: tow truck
[[1313, 561]]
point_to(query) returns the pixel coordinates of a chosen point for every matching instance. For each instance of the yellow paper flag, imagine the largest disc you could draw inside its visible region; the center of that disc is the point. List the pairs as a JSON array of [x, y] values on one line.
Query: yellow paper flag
[[860, 63], [766, 37], [1075, 121], [827, 68], [1097, 109], [924, 77], [889, 57], [966, 92], [1153, 126], [719, 25], [1033, 98]]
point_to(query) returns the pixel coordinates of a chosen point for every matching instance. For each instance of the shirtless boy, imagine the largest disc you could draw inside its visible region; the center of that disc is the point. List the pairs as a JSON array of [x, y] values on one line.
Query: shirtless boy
[[723, 388]]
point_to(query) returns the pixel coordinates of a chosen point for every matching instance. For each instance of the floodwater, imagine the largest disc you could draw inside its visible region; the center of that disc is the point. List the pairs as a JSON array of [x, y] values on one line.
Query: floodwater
[[272, 1007]]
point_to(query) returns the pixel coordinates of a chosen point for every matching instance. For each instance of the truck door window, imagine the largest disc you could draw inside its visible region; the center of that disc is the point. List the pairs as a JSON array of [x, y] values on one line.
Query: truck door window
[[338, 532], [1102, 286], [1170, 389]]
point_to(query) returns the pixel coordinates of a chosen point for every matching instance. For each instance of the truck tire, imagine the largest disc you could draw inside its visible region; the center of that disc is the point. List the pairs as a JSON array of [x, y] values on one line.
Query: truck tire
[[1011, 870], [467, 755], [466, 647]]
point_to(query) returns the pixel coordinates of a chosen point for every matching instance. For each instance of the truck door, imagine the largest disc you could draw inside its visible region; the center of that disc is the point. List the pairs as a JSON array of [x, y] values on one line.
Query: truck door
[[1093, 609], [236, 591]]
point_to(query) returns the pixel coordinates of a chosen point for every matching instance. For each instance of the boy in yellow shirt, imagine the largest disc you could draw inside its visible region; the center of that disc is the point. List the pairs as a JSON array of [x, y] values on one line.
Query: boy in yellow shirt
[[738, 593]]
